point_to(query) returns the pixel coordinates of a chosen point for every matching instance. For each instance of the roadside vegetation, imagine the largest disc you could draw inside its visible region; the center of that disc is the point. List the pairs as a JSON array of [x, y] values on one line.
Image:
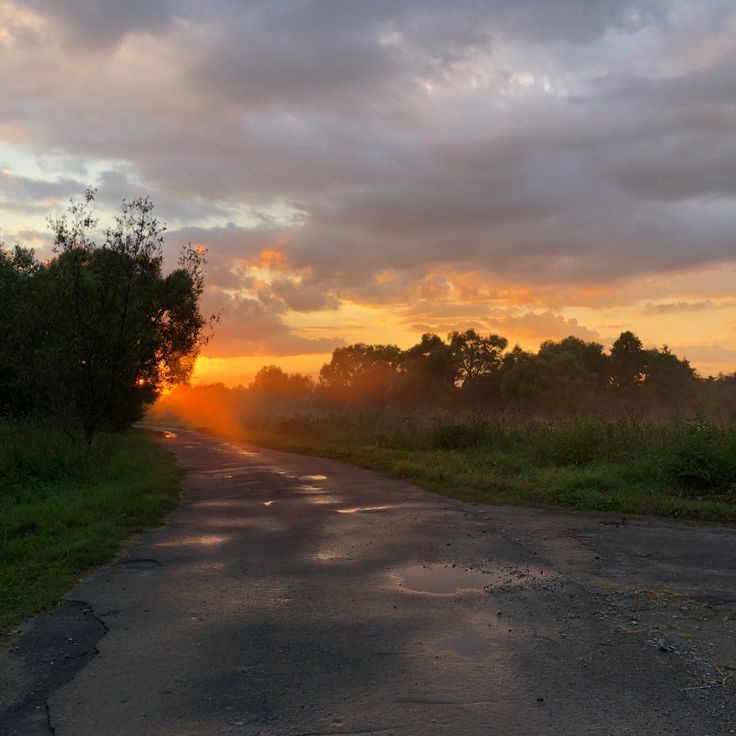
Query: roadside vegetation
[[631, 429], [66, 506], [679, 469], [89, 338]]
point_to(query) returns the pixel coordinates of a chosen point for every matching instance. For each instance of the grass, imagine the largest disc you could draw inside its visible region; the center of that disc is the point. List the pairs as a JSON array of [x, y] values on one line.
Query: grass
[[684, 470], [66, 507]]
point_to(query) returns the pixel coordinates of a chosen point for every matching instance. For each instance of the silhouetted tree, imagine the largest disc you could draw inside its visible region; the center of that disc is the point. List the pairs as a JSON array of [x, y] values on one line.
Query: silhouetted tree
[[361, 374], [109, 329], [273, 383], [628, 362], [427, 372], [477, 361]]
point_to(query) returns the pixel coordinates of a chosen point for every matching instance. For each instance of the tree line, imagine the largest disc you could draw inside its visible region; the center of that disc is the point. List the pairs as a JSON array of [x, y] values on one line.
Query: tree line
[[91, 336], [470, 371]]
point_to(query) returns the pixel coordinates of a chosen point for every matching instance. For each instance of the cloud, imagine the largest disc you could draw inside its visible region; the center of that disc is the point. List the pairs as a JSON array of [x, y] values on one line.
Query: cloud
[[706, 352], [544, 325], [683, 306], [22, 193], [384, 148], [248, 327], [103, 22]]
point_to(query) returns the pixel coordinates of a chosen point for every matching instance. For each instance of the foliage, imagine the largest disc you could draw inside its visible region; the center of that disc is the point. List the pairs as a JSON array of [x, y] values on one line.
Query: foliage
[[566, 378], [706, 458], [90, 337], [616, 465], [65, 506]]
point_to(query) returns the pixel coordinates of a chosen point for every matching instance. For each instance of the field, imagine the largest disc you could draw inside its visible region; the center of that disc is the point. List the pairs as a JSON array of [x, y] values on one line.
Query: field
[[679, 469], [66, 506]]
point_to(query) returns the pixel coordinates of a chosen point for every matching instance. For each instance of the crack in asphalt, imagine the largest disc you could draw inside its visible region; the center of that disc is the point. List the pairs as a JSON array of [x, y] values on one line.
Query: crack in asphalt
[[47, 650], [49, 723], [89, 609]]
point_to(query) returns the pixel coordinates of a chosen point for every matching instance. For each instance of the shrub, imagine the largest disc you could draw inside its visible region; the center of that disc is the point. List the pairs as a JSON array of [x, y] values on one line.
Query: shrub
[[706, 458]]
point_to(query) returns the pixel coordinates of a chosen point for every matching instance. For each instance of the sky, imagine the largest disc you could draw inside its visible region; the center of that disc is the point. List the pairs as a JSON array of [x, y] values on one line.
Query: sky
[[369, 170]]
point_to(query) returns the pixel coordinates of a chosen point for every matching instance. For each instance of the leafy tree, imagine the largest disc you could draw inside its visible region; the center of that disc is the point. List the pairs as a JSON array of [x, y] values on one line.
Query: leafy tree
[[589, 356], [478, 362], [628, 362], [668, 379], [427, 371], [272, 382], [18, 328], [109, 328], [361, 374], [474, 355]]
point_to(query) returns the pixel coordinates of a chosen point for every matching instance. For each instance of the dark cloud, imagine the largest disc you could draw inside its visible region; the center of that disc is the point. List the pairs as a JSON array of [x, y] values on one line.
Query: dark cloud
[[542, 142], [101, 22], [26, 194]]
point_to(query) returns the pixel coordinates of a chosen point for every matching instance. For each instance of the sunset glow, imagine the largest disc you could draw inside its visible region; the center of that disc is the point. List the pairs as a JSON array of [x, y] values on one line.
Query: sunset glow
[[368, 176]]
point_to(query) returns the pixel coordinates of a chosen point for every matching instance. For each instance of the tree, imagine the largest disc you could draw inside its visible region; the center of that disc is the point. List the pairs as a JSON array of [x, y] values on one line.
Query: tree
[[427, 372], [478, 361], [361, 374], [474, 355], [272, 382], [110, 329], [628, 362], [18, 328], [590, 356]]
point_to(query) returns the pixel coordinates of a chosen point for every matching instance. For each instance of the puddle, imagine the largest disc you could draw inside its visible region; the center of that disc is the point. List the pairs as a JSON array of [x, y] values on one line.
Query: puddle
[[364, 509], [306, 488], [440, 579], [449, 580], [312, 477], [469, 645], [325, 500]]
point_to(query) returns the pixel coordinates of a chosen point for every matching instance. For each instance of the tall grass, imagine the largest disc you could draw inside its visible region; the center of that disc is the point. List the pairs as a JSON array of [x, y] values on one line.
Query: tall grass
[[681, 468], [65, 506]]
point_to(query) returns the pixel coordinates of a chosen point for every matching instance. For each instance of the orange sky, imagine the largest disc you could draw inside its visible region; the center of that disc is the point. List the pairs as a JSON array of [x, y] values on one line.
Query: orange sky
[[520, 168]]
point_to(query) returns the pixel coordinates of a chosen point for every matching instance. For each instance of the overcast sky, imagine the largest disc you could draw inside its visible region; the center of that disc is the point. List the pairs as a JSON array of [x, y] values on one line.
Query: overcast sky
[[373, 169]]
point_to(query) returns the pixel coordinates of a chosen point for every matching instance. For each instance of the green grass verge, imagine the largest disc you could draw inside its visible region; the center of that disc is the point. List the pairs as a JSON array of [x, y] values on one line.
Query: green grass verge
[[66, 507], [588, 465]]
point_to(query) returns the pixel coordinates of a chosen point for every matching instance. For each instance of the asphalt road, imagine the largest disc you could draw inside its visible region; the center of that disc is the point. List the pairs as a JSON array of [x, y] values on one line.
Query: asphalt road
[[299, 596]]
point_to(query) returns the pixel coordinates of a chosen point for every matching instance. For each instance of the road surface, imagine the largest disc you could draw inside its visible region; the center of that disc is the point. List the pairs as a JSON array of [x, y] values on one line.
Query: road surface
[[297, 596]]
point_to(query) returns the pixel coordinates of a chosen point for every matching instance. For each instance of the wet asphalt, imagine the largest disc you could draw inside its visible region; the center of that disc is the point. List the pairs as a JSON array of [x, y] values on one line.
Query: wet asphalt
[[298, 596]]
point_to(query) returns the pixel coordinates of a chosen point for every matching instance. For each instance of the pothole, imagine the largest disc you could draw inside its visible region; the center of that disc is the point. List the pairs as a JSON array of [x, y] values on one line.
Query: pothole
[[440, 579], [453, 579]]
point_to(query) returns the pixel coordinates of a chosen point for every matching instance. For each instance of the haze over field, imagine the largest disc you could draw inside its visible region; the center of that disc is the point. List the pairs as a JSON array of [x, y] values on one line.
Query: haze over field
[[368, 171]]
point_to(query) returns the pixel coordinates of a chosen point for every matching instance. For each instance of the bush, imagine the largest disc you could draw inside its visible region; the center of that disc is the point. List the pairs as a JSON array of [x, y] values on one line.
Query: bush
[[31, 454], [447, 434], [706, 458]]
